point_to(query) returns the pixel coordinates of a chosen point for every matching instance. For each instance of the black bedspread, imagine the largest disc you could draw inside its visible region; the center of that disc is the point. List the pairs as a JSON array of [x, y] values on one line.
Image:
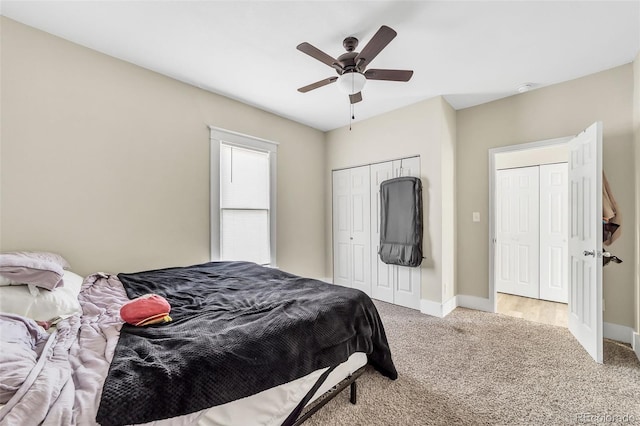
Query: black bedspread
[[238, 328]]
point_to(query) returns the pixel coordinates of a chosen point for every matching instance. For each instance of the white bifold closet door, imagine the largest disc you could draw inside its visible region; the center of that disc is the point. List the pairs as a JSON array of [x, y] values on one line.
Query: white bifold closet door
[[532, 234], [554, 233], [351, 228], [518, 232], [356, 234], [391, 283]]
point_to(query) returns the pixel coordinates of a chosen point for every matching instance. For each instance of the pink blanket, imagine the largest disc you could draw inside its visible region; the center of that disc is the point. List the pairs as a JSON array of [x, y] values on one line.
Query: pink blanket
[[35, 373], [66, 390]]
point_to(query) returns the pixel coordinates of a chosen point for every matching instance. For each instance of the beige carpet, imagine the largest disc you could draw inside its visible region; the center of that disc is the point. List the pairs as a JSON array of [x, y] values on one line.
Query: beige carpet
[[476, 368]]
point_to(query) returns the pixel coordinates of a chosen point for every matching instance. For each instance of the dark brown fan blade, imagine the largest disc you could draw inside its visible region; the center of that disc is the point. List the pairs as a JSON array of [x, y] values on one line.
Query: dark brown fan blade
[[317, 84], [318, 54], [355, 98], [392, 75], [375, 45]]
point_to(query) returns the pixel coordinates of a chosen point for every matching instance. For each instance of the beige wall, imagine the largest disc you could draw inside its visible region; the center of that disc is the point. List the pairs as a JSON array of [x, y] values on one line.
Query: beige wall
[[108, 163], [426, 129], [555, 111], [636, 116], [448, 186]]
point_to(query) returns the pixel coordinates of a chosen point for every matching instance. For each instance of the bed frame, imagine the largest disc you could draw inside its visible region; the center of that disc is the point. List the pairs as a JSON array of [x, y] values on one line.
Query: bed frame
[[350, 381]]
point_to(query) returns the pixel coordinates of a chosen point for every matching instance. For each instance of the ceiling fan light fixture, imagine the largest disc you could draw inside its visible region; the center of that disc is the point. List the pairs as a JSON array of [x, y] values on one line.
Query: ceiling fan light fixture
[[351, 82]]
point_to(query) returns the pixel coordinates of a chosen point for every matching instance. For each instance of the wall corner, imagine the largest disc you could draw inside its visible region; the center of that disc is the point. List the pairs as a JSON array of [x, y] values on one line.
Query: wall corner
[[636, 131]]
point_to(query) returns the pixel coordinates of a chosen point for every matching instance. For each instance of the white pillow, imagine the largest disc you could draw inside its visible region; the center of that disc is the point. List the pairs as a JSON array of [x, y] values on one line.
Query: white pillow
[[48, 304]]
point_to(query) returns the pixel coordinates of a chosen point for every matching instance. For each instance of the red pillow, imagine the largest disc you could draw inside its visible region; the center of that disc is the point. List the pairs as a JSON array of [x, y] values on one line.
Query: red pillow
[[146, 310]]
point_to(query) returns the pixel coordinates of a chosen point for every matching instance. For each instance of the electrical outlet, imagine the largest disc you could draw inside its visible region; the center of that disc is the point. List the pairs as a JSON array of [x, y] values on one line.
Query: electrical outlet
[[476, 216]]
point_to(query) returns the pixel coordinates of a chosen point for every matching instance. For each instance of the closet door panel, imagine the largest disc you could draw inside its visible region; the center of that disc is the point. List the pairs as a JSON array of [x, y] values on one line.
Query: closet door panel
[[382, 278], [407, 289], [518, 232], [360, 238], [554, 258], [341, 228], [341, 265], [504, 256]]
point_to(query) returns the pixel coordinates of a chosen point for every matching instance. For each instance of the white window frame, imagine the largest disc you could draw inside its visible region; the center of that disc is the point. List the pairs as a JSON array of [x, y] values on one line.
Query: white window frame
[[217, 137]]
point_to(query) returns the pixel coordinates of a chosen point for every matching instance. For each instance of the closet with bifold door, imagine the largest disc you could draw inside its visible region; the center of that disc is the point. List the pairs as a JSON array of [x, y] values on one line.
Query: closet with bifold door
[[352, 228], [356, 234], [532, 232]]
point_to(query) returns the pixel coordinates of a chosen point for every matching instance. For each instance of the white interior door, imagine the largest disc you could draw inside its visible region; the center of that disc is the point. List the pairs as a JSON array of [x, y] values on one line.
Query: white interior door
[[554, 259], [517, 236], [360, 212], [382, 275], [407, 280], [585, 239], [341, 228]]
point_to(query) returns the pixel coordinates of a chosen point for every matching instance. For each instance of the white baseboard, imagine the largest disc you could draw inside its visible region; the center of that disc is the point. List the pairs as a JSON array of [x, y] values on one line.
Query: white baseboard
[[432, 308], [636, 344], [327, 280], [621, 333], [474, 302], [441, 310], [449, 306]]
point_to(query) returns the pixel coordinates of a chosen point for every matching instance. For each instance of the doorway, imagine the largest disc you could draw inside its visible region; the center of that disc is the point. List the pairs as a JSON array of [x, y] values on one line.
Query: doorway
[[528, 252], [585, 232], [532, 229]]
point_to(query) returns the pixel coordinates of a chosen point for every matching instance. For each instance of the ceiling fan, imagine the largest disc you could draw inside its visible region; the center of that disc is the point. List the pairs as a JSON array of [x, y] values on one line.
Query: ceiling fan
[[352, 66]]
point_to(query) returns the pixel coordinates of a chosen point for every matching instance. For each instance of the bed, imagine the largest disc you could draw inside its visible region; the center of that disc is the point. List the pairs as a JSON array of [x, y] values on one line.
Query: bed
[[247, 345]]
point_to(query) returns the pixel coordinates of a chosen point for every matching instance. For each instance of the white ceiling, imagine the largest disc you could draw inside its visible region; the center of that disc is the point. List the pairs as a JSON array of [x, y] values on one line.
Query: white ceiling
[[470, 52]]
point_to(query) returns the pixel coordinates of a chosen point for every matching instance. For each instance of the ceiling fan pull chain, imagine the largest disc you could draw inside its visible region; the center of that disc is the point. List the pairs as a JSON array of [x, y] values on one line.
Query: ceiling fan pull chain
[[353, 117]]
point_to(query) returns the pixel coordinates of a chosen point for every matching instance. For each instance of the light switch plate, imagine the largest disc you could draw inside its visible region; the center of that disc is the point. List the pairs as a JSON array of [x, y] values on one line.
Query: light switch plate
[[476, 216]]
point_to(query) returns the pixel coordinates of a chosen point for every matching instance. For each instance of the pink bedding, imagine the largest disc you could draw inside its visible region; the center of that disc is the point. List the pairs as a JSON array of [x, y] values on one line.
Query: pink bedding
[[90, 356], [35, 372], [67, 389]]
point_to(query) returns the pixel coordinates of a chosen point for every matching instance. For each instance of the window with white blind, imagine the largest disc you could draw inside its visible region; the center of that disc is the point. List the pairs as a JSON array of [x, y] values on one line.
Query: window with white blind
[[242, 198]]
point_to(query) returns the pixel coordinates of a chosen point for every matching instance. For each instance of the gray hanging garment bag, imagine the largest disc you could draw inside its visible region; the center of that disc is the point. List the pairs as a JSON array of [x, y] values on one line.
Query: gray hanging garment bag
[[401, 221]]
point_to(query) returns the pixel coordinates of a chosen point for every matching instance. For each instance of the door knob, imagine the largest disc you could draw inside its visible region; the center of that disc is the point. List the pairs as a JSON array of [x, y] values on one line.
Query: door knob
[[590, 253]]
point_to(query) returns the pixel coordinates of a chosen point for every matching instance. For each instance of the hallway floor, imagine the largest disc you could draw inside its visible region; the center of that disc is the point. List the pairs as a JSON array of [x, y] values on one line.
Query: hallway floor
[[542, 311]]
